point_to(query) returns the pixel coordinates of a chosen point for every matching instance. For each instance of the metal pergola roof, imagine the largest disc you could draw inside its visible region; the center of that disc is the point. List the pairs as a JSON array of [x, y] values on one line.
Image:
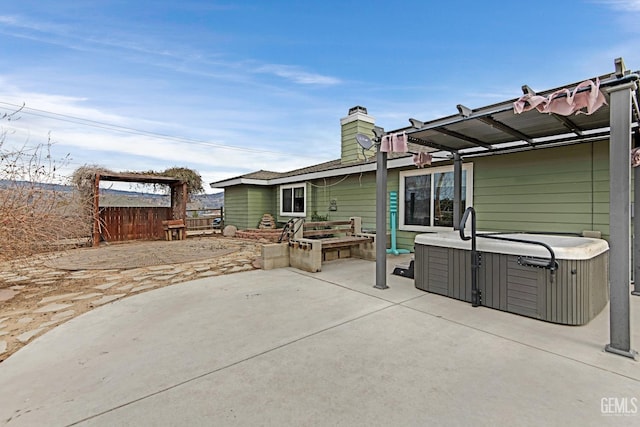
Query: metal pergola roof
[[497, 128]]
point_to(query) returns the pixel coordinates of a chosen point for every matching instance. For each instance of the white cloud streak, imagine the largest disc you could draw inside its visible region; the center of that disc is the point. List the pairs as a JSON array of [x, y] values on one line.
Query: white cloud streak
[[297, 75], [181, 55], [120, 151], [19, 22], [623, 5]]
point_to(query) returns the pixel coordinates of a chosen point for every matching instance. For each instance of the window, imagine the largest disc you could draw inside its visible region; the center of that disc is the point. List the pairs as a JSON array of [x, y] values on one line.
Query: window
[[293, 200], [426, 197]]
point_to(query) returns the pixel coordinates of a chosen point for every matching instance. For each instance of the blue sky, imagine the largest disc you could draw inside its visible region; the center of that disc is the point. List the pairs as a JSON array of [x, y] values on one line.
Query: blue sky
[[230, 87]]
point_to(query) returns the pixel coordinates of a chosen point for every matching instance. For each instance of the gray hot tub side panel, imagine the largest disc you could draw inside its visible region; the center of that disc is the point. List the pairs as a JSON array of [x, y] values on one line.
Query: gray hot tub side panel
[[576, 293]]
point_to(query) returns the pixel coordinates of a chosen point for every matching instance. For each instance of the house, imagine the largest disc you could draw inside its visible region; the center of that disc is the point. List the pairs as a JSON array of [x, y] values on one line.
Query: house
[[517, 185], [543, 170]]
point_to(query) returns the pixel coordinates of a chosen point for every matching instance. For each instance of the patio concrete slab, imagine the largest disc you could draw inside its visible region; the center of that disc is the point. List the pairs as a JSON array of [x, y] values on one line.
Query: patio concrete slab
[[282, 347], [395, 367], [360, 276], [140, 345], [581, 343]]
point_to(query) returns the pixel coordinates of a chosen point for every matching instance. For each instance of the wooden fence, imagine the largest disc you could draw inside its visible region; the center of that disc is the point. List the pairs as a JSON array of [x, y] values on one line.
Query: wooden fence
[[118, 224], [204, 221]]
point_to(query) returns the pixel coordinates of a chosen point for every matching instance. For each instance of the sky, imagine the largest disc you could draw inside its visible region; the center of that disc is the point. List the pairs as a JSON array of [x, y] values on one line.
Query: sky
[[231, 87]]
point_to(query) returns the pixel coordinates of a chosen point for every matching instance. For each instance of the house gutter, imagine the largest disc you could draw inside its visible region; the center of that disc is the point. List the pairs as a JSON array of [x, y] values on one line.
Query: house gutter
[[355, 169]]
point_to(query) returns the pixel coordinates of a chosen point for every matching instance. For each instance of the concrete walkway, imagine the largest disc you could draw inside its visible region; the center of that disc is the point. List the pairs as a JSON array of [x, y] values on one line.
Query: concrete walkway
[[283, 347]]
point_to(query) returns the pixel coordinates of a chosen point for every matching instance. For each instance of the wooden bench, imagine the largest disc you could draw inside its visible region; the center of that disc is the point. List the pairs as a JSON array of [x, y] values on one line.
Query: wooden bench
[[344, 242], [318, 241], [334, 234], [322, 229], [174, 226]]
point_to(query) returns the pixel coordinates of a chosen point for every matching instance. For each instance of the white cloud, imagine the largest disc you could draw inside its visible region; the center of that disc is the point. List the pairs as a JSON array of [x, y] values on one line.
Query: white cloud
[[240, 112], [260, 143], [624, 5], [19, 22], [297, 75], [183, 58], [125, 149]]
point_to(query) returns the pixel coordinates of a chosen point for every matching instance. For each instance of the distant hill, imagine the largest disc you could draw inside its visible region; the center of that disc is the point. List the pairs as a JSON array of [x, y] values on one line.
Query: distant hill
[[111, 197], [131, 199], [215, 201]]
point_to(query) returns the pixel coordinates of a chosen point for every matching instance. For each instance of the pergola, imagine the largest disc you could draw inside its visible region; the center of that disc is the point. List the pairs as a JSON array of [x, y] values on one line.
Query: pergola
[[495, 129], [178, 188]]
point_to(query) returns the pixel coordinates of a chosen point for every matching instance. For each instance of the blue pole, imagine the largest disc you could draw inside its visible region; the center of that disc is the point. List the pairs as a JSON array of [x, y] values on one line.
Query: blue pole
[[393, 210]]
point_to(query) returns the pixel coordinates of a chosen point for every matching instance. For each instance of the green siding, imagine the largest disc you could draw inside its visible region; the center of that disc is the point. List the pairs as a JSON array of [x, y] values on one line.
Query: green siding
[[354, 196], [554, 189], [236, 206], [351, 151], [261, 201], [563, 189], [244, 205]]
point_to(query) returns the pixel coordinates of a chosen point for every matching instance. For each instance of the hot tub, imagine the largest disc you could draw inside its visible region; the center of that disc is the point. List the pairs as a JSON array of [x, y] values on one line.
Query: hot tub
[[512, 276]]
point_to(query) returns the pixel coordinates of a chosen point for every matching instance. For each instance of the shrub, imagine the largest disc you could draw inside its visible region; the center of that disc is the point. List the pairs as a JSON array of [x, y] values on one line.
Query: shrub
[[35, 212]]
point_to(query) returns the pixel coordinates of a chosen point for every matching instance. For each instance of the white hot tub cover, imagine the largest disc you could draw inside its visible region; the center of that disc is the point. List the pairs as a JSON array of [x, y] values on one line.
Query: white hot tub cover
[[564, 247]]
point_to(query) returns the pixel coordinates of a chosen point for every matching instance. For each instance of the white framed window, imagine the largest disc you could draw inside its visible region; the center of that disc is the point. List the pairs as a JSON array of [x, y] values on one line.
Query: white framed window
[[293, 200], [426, 197]]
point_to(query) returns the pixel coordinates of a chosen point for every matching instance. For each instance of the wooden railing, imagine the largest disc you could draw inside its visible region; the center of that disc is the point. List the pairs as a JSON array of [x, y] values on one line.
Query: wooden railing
[[202, 221]]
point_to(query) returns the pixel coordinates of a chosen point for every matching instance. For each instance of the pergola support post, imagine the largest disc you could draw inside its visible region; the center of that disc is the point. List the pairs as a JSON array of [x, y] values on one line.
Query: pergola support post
[[381, 220], [620, 220], [179, 200], [457, 190], [636, 232], [95, 212]]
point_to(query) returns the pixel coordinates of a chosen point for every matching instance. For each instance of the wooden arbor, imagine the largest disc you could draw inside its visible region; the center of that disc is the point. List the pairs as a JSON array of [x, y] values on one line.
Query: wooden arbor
[[146, 225]]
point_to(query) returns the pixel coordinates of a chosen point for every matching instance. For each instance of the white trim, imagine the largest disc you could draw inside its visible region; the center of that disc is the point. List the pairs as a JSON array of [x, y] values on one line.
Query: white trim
[[238, 181], [357, 116], [467, 167], [293, 187]]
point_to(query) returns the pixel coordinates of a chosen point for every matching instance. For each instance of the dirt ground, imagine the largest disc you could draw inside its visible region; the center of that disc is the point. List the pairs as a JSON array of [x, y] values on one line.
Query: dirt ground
[[41, 292]]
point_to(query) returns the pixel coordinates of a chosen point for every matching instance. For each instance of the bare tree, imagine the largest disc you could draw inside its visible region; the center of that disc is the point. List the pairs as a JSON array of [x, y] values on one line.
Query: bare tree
[[35, 213]]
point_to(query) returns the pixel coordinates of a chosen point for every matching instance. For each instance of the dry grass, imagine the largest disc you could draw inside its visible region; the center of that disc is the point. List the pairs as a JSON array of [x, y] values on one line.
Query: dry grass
[[34, 216], [35, 220]]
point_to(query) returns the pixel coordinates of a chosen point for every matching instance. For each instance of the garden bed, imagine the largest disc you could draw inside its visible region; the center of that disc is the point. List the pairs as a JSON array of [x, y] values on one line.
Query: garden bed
[[271, 235]]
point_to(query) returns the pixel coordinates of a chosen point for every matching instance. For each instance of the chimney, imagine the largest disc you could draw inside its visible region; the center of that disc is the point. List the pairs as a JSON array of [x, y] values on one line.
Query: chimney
[[357, 121]]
